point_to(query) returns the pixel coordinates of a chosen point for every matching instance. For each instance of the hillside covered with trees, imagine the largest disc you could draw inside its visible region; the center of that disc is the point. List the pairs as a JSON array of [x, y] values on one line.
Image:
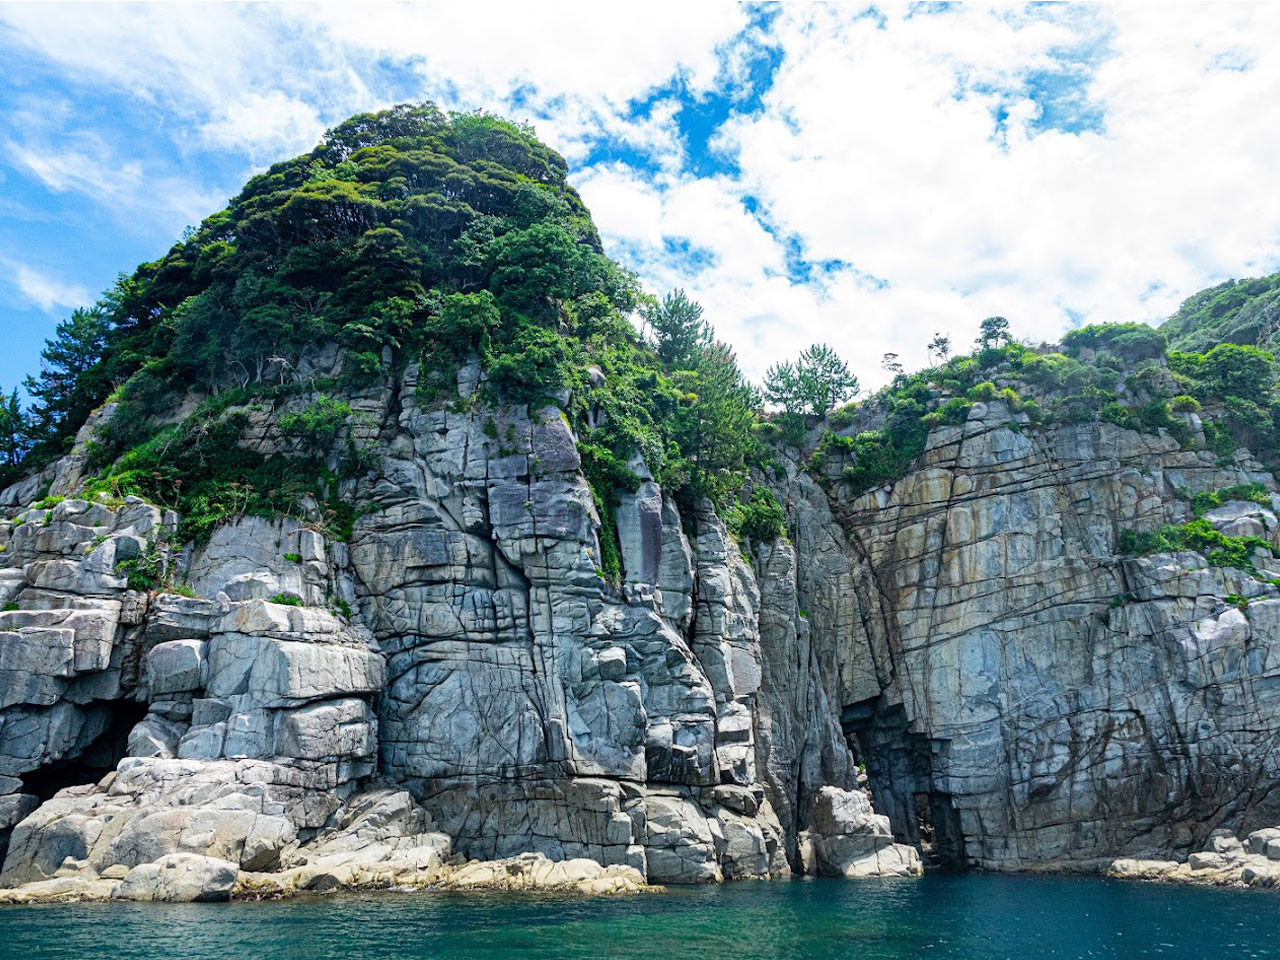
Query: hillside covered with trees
[[409, 236], [406, 236]]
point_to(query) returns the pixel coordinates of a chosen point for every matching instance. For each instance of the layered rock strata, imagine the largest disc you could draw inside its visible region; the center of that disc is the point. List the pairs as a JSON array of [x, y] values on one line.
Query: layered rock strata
[[1022, 695], [462, 647], [966, 644]]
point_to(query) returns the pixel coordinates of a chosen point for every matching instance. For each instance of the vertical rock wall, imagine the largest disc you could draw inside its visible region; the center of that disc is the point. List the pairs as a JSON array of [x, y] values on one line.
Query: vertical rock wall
[[1021, 695], [463, 645]]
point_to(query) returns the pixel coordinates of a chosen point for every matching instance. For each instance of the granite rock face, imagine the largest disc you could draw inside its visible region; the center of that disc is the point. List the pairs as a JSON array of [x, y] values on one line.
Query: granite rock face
[[849, 839], [960, 662], [461, 650], [1020, 694], [1226, 860]]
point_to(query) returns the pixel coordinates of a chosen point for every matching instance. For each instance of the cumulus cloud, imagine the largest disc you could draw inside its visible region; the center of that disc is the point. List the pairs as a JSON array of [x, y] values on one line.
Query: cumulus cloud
[[861, 175], [46, 292], [913, 155], [261, 124]]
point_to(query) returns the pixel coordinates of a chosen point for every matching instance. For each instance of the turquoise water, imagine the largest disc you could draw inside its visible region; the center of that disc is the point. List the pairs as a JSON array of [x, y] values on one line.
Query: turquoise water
[[970, 917]]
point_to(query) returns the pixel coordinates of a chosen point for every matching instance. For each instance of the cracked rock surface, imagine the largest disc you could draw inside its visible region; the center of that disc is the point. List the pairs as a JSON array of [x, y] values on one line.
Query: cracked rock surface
[[958, 664], [1021, 695]]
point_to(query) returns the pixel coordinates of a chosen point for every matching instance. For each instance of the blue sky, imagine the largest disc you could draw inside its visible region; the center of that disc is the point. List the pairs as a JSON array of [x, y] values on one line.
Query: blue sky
[[859, 175]]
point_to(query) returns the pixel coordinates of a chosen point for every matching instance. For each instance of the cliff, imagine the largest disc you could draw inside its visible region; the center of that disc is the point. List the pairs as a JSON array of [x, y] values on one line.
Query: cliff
[[1022, 693], [461, 644], [443, 577]]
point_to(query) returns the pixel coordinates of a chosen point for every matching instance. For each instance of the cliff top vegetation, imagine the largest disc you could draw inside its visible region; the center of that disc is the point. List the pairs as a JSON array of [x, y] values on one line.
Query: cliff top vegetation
[[414, 237], [406, 236]]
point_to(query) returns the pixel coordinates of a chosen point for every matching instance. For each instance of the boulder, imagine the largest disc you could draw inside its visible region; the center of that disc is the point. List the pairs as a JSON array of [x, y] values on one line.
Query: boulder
[[180, 878], [850, 840]]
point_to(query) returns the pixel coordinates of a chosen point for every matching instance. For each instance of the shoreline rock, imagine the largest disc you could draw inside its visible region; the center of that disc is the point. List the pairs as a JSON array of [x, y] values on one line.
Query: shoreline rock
[[187, 878], [1226, 861]]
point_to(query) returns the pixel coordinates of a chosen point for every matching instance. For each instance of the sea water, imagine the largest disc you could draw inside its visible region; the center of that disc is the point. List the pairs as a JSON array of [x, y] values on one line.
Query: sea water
[[948, 917]]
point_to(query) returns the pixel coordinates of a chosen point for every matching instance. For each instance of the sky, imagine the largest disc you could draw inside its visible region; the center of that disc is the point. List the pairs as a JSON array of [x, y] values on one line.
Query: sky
[[859, 175]]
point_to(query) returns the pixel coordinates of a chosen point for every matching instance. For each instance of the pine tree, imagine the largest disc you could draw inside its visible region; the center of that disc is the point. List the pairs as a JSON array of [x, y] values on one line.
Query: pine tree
[[72, 382], [681, 335], [994, 333], [15, 438], [818, 382]]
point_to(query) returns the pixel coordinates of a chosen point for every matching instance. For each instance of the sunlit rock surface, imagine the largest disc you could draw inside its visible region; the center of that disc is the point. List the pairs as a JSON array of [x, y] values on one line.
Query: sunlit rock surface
[[958, 665]]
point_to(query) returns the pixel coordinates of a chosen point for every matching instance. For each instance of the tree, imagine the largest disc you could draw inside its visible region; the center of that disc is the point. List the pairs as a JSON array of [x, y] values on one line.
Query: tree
[[940, 347], [537, 269], [680, 334], [994, 333], [72, 382], [890, 363], [817, 382], [713, 424], [15, 438], [782, 388], [713, 420], [1231, 370]]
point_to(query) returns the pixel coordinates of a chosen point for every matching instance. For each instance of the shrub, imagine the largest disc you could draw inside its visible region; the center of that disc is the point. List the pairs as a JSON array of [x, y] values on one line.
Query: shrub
[[1117, 414], [143, 573], [1250, 492], [1219, 440], [842, 417], [1219, 549], [760, 519], [286, 599], [1237, 601], [1131, 341], [954, 412], [1010, 396], [538, 363], [318, 424], [837, 444]]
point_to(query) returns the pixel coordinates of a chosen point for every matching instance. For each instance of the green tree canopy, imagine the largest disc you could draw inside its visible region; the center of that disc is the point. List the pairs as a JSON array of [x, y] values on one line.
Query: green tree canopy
[[994, 332], [73, 378], [15, 438], [816, 383], [680, 334]]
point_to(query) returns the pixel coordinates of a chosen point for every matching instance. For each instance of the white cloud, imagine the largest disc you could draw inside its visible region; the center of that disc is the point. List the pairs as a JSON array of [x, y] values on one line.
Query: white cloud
[[877, 144], [263, 126], [86, 170], [46, 292]]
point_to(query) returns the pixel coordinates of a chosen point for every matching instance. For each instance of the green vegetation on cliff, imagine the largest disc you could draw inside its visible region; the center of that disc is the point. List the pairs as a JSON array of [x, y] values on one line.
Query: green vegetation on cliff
[[1243, 312], [406, 236], [1121, 374]]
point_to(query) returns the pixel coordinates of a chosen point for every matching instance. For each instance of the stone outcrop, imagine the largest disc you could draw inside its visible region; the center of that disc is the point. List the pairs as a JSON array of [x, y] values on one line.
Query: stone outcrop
[[1020, 694], [847, 839], [461, 649], [959, 662], [1226, 860]]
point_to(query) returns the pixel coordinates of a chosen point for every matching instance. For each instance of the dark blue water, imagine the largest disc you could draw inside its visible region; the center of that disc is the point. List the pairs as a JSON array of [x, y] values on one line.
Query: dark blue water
[[973, 917]]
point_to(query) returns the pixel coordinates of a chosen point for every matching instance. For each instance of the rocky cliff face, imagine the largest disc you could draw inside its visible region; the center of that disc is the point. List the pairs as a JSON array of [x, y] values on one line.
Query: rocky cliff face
[[457, 678], [462, 646], [1021, 695]]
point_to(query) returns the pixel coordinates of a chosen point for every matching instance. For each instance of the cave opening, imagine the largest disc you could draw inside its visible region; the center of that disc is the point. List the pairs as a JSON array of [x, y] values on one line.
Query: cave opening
[[900, 767], [92, 763]]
